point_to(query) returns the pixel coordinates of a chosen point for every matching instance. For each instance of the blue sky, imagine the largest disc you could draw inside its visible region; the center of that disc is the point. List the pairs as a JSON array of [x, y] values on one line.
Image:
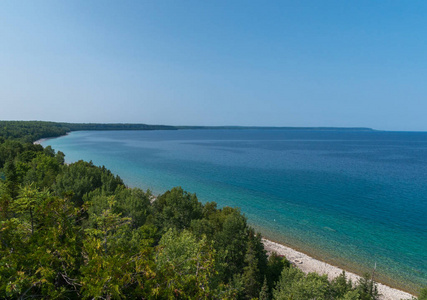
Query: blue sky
[[264, 63]]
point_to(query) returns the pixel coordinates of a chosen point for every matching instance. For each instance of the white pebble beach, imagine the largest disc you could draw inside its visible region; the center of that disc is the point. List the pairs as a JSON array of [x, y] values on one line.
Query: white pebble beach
[[309, 264]]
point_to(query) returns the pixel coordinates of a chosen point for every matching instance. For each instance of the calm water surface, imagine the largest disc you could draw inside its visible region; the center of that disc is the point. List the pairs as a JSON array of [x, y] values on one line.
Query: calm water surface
[[351, 198]]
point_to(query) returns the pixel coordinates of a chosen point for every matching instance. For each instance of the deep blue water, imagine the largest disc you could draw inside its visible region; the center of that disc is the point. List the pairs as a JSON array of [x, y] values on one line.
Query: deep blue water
[[350, 198]]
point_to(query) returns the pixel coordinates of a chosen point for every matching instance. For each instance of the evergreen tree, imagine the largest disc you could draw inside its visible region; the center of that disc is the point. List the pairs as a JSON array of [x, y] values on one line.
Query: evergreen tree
[[265, 293]]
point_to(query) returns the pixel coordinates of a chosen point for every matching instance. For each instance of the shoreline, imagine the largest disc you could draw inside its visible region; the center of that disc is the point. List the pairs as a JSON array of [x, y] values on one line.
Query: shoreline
[[309, 264], [39, 141]]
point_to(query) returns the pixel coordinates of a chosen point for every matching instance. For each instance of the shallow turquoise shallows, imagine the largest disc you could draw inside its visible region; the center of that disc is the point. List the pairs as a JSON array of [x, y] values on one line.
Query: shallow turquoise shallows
[[352, 198]]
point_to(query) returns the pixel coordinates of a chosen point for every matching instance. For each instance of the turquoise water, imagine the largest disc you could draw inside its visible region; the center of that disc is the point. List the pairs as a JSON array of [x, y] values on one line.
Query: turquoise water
[[350, 198]]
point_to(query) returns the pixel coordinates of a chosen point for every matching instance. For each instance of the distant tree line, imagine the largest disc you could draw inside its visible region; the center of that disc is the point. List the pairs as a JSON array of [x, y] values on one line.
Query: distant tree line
[[30, 131], [278, 128], [76, 231], [116, 126]]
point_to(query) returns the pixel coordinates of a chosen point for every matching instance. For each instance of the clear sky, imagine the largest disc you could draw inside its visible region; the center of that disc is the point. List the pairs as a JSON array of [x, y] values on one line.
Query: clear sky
[[263, 63]]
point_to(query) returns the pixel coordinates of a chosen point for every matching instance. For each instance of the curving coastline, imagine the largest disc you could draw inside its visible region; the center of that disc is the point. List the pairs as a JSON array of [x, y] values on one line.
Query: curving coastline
[[40, 141], [309, 264]]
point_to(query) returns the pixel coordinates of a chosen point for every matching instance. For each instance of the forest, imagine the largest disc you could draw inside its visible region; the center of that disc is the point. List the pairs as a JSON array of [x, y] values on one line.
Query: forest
[[76, 231], [30, 131]]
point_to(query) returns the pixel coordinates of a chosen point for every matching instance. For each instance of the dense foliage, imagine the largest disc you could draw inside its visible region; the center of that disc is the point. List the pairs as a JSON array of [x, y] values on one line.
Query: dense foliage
[[30, 131], [76, 231]]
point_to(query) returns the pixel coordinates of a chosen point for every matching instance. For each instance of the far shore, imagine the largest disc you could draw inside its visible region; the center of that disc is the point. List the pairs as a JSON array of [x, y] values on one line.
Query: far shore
[[309, 264]]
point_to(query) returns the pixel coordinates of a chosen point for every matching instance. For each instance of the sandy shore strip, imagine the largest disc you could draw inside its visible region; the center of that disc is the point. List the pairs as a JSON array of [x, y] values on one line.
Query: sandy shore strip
[[308, 264], [38, 142]]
